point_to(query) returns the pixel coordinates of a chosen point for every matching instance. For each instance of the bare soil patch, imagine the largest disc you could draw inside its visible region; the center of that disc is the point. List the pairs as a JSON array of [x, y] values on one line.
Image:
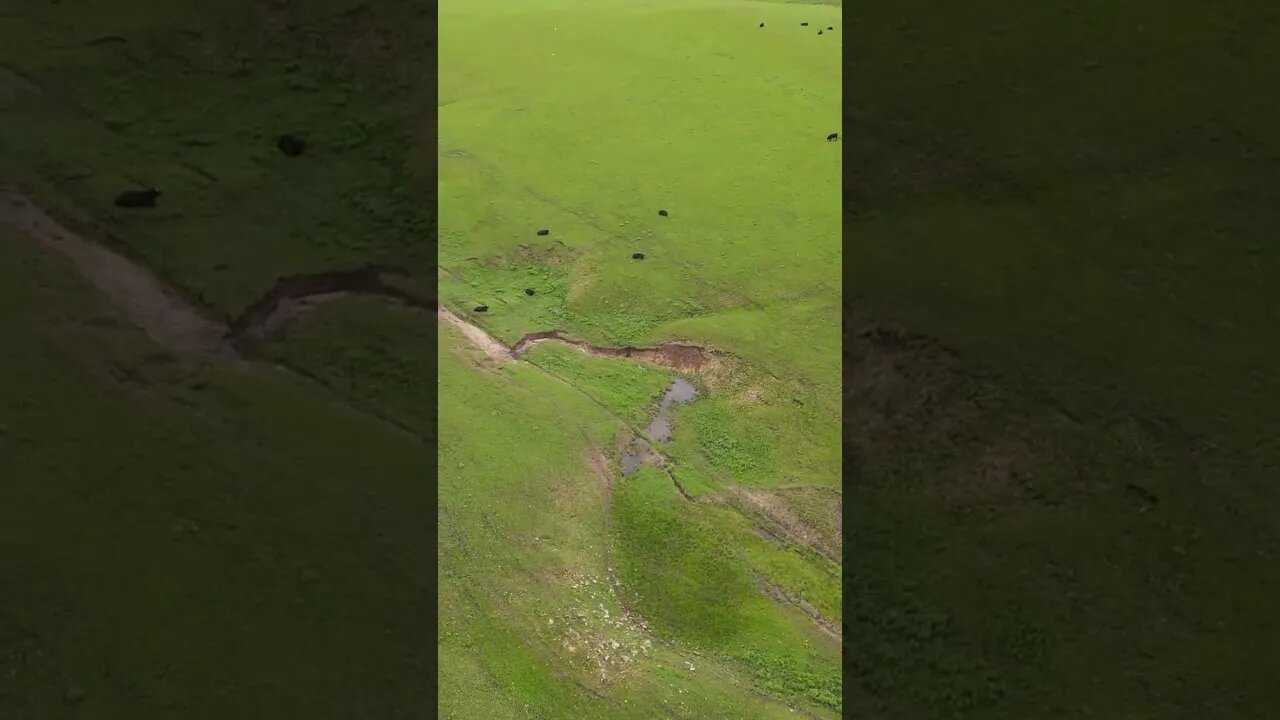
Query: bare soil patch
[[682, 357], [481, 339]]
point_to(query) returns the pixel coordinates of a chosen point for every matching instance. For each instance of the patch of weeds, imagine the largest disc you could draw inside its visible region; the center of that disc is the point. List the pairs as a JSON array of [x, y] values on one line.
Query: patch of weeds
[[785, 676], [695, 482], [725, 443], [366, 350]]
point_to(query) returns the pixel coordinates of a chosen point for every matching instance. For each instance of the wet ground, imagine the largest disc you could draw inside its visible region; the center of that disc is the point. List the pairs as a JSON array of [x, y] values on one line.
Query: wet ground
[[659, 430]]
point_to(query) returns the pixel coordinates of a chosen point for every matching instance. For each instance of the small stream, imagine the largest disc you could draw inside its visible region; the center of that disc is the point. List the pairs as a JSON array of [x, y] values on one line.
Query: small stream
[[659, 430]]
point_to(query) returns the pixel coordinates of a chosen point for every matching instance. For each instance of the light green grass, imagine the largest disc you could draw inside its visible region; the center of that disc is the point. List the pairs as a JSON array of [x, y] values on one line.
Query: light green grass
[[586, 118], [631, 109], [522, 518], [630, 391]]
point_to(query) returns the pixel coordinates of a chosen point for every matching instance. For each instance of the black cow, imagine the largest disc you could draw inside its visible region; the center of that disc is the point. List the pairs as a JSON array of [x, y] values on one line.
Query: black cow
[[761, 24], [637, 256], [528, 291], [663, 213], [832, 136], [819, 32], [137, 198], [804, 24], [482, 308], [544, 232], [290, 145], [830, 28]]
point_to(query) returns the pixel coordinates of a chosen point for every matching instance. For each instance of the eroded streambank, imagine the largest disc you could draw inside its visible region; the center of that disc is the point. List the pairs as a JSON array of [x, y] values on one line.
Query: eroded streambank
[[179, 326]]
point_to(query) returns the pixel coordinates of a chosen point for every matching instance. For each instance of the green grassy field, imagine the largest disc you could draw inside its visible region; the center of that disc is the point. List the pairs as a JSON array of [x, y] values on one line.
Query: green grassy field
[[180, 540], [688, 107], [585, 119]]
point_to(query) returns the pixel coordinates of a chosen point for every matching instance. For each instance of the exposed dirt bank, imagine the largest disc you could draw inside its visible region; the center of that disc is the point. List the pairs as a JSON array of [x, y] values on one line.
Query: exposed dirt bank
[[180, 328], [294, 294], [677, 356]]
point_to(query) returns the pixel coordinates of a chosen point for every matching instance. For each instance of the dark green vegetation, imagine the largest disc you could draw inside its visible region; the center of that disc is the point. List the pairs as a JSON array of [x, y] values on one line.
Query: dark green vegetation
[[105, 114], [180, 540], [1074, 515], [182, 537]]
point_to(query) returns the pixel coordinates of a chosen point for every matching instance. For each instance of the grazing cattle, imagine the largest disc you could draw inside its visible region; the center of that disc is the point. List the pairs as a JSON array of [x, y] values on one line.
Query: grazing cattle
[[804, 24], [819, 32], [544, 232], [528, 291], [637, 256], [1143, 494], [832, 136], [663, 213], [137, 198], [290, 145], [761, 24], [482, 308], [830, 28]]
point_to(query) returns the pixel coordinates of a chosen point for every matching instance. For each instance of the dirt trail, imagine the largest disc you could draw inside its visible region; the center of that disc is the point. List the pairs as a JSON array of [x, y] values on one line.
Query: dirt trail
[[780, 595], [164, 316], [481, 339]]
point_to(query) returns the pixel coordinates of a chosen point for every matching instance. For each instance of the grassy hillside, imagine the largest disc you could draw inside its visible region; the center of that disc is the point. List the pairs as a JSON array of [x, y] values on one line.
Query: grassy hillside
[[180, 540], [653, 108], [585, 119], [1070, 514]]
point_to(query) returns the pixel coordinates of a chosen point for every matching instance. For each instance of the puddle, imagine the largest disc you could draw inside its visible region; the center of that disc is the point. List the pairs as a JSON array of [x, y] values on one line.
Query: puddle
[[680, 392], [659, 430]]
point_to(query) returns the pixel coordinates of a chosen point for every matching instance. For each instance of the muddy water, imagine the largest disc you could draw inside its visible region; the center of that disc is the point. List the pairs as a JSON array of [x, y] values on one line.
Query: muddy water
[[680, 392], [659, 430]]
